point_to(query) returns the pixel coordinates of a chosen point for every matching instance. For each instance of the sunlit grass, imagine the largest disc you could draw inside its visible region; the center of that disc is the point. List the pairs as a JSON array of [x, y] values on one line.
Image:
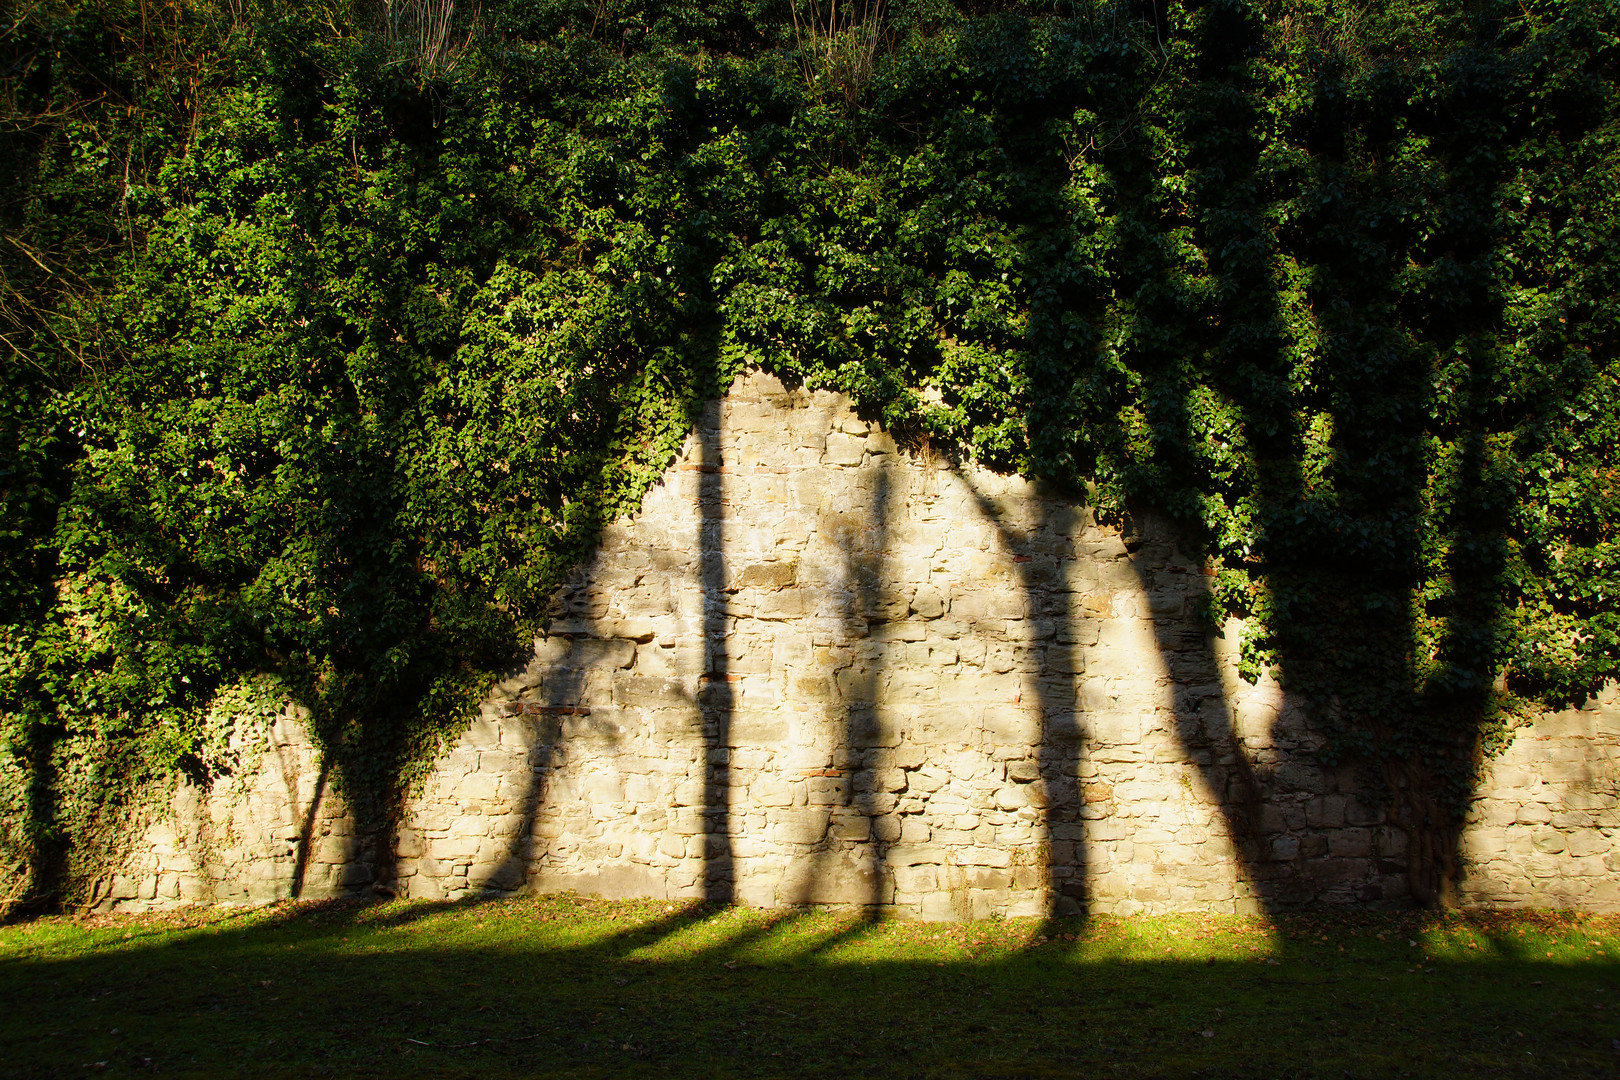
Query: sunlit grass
[[564, 986]]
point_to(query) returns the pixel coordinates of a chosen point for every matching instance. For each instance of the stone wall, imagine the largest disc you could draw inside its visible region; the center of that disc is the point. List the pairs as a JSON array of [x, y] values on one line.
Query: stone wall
[[273, 830], [1545, 831], [817, 669]]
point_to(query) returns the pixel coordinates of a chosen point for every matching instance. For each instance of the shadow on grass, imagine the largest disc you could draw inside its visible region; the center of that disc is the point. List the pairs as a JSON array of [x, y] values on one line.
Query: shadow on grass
[[561, 986]]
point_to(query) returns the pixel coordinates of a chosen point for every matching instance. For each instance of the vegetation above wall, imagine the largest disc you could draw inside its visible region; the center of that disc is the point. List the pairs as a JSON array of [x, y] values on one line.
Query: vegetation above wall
[[333, 333]]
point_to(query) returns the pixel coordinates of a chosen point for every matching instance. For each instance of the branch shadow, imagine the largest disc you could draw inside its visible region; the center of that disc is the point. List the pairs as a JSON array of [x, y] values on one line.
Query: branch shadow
[[1042, 556], [306, 828], [545, 725], [851, 786]]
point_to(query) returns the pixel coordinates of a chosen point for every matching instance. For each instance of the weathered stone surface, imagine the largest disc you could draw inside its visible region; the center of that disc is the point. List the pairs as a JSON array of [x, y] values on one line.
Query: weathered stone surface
[[815, 670]]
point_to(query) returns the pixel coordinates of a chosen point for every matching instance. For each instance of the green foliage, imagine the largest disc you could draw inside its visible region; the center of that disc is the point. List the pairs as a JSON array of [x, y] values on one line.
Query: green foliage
[[326, 367]]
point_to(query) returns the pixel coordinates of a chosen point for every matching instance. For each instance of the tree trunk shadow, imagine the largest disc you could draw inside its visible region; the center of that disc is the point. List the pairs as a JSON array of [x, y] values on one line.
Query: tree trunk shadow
[[860, 757], [716, 695], [1175, 592], [1043, 558]]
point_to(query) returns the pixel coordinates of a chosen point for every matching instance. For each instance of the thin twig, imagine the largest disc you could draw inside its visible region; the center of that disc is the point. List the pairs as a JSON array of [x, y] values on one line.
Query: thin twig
[[479, 1042]]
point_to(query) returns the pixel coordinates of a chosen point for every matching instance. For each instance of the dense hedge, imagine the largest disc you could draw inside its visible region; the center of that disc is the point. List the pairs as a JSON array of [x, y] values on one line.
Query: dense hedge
[[327, 354]]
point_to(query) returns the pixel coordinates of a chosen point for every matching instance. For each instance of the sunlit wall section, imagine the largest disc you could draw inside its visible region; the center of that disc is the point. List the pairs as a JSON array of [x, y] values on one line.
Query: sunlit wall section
[[816, 668], [1545, 830]]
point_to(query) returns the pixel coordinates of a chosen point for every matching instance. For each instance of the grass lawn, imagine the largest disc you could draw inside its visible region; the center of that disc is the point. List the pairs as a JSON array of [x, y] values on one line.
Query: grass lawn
[[563, 986]]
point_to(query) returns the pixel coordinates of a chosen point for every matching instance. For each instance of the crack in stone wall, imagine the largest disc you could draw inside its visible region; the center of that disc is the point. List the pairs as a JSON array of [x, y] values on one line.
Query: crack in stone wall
[[815, 669]]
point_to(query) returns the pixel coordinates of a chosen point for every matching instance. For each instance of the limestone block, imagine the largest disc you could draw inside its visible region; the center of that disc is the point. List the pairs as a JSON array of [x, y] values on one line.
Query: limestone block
[[124, 887], [478, 786], [646, 692], [1014, 725], [1023, 770], [351, 875], [1110, 726], [331, 849], [834, 879], [1012, 797], [985, 856], [824, 790], [806, 825], [927, 602], [455, 847], [848, 825], [1554, 772], [843, 449], [1534, 813], [758, 728], [271, 890], [1570, 723]]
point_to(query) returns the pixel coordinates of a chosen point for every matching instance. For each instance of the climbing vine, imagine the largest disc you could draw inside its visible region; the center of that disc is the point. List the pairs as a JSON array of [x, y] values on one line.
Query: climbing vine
[[326, 359]]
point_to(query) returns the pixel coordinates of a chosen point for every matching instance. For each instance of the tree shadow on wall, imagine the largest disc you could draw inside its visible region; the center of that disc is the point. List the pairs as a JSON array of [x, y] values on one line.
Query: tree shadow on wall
[[1043, 560], [1334, 401], [717, 696], [1321, 388], [848, 863], [549, 703], [519, 741], [686, 362], [566, 706]]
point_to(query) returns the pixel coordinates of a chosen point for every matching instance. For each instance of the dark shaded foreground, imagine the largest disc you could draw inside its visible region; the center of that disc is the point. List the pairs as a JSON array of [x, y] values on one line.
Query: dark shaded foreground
[[569, 987]]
